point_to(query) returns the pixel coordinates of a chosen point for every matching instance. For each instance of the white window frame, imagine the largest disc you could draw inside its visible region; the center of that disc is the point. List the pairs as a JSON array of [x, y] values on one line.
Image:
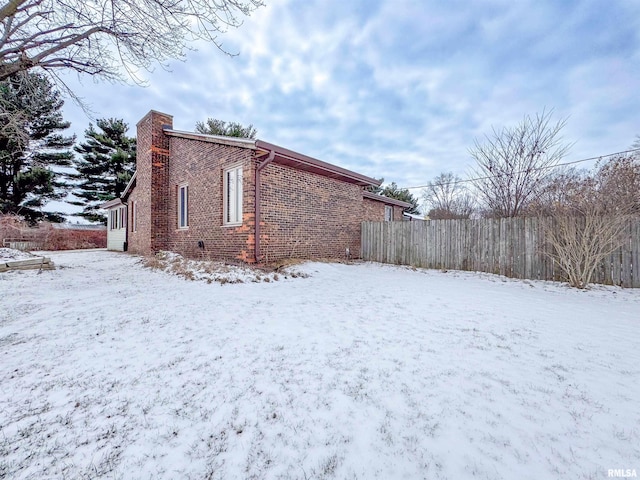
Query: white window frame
[[232, 196], [134, 216], [118, 218], [183, 203], [388, 213]]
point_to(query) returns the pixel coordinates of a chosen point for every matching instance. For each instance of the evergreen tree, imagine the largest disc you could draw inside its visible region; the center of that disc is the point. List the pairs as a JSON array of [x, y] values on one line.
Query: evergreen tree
[[393, 191], [374, 189], [106, 164], [214, 126], [31, 146]]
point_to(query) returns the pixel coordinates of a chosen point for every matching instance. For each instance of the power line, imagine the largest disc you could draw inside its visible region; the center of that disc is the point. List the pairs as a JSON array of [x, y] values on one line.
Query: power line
[[532, 169]]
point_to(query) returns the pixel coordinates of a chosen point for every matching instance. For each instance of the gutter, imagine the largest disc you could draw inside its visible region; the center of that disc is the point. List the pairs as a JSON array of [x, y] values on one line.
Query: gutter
[[259, 167], [387, 200], [329, 169]]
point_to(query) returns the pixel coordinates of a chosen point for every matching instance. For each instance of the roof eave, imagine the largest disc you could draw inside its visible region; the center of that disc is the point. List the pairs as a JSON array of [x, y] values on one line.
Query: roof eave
[[388, 200], [111, 203], [132, 180], [328, 169], [220, 139]]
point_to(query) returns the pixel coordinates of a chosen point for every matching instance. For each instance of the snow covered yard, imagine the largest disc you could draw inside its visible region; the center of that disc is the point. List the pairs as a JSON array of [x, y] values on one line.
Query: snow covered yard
[[111, 370]]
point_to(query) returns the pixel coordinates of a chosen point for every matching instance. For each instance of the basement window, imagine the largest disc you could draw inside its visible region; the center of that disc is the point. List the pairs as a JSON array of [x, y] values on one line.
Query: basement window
[[183, 206], [233, 196]]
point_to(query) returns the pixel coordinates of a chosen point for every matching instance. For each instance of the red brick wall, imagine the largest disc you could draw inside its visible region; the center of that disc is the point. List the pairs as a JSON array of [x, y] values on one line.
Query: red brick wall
[[373, 211], [160, 185], [140, 240], [151, 185], [303, 215], [200, 165], [306, 215]]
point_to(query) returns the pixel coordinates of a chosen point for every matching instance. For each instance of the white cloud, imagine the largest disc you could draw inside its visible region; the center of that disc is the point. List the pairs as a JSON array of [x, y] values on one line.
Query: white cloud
[[399, 88]]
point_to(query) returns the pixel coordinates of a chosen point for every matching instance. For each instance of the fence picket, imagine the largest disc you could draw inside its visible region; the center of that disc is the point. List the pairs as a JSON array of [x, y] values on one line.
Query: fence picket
[[513, 247]]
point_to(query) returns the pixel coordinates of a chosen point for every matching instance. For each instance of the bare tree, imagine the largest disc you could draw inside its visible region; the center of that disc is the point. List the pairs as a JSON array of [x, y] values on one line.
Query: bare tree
[[513, 163], [619, 181], [103, 38], [447, 197], [585, 227], [557, 189], [581, 242]]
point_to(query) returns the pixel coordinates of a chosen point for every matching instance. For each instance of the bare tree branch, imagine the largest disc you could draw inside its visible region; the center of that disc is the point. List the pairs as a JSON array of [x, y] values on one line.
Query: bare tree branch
[[447, 198], [589, 220], [10, 8], [105, 38], [514, 162]]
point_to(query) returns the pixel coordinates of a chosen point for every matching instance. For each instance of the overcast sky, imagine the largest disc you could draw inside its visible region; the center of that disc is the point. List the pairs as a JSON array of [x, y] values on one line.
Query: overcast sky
[[399, 89]]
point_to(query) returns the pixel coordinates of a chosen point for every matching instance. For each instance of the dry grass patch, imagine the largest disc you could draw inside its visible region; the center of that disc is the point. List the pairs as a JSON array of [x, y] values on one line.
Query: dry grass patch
[[220, 272]]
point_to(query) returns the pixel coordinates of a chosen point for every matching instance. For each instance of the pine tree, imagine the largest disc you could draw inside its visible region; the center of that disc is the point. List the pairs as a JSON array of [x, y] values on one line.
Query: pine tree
[[375, 189], [106, 164], [213, 126], [393, 191], [31, 147]]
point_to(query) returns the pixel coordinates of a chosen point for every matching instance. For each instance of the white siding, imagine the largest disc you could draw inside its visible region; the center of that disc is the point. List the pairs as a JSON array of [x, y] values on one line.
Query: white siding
[[116, 237]]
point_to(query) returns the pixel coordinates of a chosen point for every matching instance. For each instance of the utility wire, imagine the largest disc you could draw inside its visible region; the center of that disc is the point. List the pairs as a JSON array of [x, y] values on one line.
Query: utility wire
[[531, 169]]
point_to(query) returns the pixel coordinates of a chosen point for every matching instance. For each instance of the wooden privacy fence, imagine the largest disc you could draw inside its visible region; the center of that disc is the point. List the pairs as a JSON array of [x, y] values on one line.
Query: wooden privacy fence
[[514, 247]]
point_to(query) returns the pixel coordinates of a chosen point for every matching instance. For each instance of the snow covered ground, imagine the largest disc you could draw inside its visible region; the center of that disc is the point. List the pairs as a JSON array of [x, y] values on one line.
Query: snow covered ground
[[10, 255], [112, 370]]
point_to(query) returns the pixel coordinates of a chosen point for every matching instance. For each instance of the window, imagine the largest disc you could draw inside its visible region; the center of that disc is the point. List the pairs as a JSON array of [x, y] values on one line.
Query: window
[[233, 196], [183, 206], [118, 218], [113, 219], [388, 213], [134, 216]]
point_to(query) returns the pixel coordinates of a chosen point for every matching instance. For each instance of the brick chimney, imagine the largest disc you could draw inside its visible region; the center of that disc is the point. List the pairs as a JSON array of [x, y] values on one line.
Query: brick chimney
[[152, 166]]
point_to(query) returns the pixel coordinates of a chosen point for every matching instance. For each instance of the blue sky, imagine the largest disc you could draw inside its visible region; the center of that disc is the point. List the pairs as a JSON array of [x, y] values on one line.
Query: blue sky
[[400, 89]]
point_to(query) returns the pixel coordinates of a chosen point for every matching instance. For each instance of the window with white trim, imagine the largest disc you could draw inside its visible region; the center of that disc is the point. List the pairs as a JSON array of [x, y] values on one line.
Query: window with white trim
[[118, 218], [134, 216], [232, 196], [388, 213], [183, 206], [113, 219]]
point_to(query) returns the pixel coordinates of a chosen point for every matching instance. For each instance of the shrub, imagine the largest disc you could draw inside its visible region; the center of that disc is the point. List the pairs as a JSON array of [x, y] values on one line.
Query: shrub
[[46, 236]]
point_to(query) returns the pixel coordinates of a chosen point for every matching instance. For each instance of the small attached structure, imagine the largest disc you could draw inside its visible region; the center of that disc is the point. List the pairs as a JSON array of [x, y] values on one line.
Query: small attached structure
[[116, 225], [227, 198]]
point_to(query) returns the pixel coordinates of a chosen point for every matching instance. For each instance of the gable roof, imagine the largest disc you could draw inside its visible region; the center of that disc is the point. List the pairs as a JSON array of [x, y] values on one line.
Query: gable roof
[[282, 156], [387, 200], [287, 157], [112, 203], [220, 139]]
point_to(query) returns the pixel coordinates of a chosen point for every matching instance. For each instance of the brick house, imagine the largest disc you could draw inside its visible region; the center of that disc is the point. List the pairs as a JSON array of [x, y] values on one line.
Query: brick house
[[226, 198]]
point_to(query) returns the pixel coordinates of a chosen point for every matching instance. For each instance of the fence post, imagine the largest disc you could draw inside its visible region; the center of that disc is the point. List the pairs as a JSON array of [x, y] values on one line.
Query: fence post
[[514, 247]]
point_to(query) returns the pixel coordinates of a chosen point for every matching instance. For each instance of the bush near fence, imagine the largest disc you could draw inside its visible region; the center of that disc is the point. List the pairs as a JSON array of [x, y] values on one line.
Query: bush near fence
[[47, 236], [514, 247], [72, 239]]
